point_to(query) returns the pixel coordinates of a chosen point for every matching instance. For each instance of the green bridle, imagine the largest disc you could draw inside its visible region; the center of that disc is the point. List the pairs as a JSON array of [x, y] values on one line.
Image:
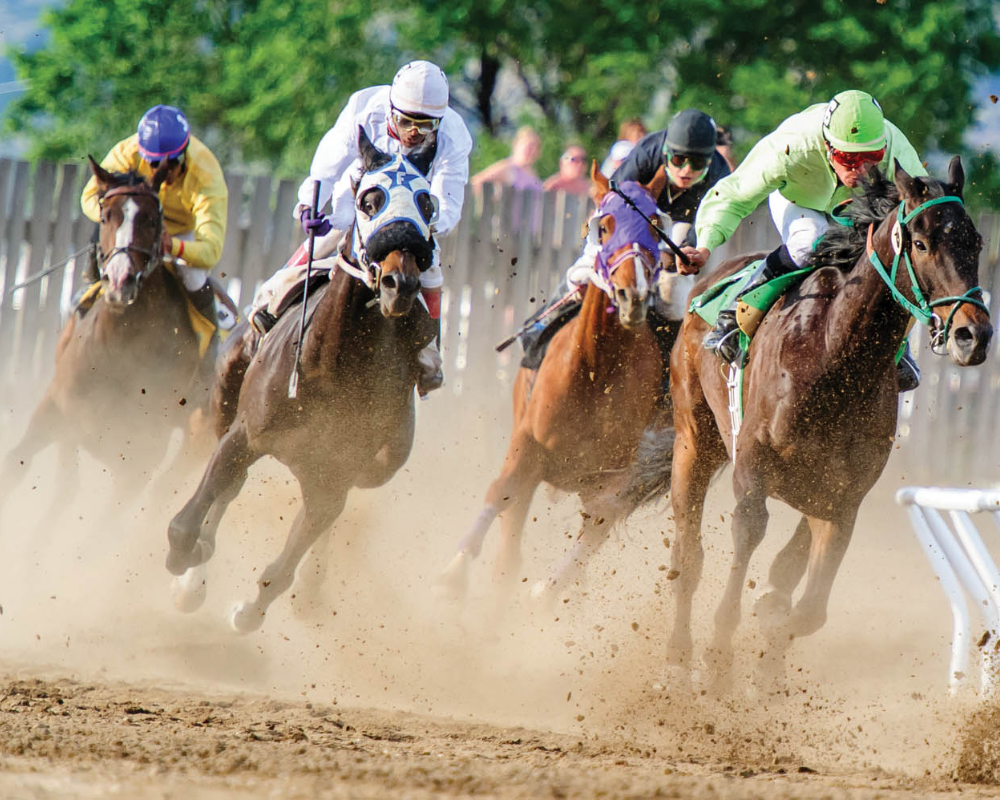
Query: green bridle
[[922, 309]]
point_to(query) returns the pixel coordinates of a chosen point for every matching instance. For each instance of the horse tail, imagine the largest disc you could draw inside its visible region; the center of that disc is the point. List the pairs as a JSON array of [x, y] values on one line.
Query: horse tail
[[649, 475]]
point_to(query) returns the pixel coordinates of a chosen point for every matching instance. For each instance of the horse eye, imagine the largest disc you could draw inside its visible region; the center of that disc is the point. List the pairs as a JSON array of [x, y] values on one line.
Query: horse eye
[[919, 245], [371, 202]]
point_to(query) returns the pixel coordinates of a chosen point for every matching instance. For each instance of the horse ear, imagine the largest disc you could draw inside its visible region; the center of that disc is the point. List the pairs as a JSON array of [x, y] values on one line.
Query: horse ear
[[160, 175], [371, 156], [102, 175], [910, 188], [956, 175], [601, 186], [659, 180]]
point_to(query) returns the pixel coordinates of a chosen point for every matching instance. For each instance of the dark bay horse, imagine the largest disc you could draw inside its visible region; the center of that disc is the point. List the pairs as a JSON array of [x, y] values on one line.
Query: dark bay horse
[[124, 371], [820, 398], [352, 423], [579, 418]]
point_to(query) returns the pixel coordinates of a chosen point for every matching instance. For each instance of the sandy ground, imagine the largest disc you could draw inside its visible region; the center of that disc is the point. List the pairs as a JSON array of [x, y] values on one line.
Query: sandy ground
[[369, 685]]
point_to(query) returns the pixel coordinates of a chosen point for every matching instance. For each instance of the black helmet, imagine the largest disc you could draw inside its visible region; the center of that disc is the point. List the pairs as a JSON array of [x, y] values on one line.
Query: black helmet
[[690, 132]]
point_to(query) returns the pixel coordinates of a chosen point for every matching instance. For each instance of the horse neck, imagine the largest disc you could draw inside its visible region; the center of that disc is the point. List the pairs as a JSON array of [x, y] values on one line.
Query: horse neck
[[865, 319], [599, 337], [343, 301]]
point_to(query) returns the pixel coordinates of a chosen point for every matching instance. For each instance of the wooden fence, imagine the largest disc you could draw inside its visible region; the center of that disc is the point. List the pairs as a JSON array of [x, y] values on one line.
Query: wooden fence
[[507, 255]]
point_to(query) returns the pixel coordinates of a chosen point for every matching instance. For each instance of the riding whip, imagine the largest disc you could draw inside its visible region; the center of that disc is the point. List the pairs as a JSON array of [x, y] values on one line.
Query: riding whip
[[39, 275], [534, 319], [613, 186], [293, 381]]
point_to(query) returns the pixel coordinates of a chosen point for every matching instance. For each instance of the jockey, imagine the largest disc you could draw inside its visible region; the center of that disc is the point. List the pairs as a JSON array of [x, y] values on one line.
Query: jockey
[[411, 117], [193, 195], [686, 150], [805, 169]]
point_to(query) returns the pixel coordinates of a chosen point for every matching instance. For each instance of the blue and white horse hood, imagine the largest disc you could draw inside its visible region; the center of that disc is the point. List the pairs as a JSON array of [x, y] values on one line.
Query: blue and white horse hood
[[394, 208]]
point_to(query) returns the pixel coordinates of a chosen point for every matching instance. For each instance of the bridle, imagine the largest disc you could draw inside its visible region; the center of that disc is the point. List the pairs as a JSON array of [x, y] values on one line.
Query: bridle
[[154, 255], [643, 276], [923, 308]]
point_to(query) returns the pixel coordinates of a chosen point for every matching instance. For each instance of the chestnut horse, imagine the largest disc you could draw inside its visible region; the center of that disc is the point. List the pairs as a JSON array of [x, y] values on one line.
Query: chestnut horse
[[578, 419], [820, 399], [352, 422], [124, 371]]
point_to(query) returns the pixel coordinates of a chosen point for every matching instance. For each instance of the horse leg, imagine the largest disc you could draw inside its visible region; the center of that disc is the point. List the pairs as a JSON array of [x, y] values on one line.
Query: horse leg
[[190, 588], [749, 525], [192, 531], [67, 479], [322, 504], [829, 543], [698, 452], [521, 474], [772, 607], [45, 423]]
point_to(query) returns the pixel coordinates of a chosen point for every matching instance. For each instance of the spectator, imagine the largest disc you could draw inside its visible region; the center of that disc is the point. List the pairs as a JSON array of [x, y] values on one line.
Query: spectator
[[724, 146], [572, 176], [632, 130], [517, 170], [619, 152]]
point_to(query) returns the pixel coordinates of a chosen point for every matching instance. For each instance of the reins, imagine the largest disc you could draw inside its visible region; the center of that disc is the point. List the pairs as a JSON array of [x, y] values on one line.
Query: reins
[[922, 309]]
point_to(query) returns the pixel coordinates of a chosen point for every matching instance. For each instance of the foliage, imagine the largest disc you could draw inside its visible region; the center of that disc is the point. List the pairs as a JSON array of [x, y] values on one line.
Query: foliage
[[263, 79]]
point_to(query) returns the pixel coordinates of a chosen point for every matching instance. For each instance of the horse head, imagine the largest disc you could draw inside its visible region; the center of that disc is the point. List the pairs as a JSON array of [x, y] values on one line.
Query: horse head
[[940, 246], [629, 258], [131, 231], [392, 234]]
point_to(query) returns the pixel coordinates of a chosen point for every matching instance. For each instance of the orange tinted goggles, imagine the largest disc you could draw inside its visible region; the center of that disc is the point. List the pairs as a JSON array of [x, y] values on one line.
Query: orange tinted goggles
[[856, 160]]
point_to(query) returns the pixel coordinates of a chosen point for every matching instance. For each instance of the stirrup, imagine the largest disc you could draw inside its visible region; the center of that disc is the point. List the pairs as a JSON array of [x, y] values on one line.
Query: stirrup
[[263, 320], [907, 373]]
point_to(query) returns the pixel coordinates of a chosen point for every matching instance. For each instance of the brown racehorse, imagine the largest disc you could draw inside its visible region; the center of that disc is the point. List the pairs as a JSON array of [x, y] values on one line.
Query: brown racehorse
[[124, 371], [352, 422], [820, 399], [578, 419]]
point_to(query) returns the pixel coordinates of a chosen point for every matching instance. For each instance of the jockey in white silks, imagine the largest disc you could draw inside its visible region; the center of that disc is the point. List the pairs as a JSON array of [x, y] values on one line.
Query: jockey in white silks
[[410, 117]]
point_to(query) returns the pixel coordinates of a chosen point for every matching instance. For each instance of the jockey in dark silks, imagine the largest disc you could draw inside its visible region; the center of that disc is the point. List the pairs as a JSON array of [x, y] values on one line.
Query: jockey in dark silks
[[686, 150], [805, 168]]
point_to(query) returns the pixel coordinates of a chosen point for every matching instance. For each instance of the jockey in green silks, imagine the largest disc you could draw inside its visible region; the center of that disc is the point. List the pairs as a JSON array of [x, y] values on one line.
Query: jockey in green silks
[[805, 168]]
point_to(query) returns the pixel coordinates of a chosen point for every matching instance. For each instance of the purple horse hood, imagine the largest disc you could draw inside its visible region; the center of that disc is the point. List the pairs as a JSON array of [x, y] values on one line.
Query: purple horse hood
[[630, 228]]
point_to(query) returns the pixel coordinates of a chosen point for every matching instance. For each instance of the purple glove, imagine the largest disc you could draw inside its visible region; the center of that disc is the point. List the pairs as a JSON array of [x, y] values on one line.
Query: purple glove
[[319, 225]]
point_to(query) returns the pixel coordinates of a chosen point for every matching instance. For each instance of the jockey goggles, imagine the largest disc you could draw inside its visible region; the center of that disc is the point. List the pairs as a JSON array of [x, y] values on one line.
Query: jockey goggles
[[697, 162], [172, 162], [856, 160], [422, 125]]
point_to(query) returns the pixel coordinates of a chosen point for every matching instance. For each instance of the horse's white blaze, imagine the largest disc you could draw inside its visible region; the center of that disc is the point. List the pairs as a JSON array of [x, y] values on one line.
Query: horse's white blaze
[[118, 266]]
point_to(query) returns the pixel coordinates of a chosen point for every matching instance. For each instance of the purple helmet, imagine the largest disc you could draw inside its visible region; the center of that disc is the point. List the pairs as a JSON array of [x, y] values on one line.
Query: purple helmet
[[163, 133]]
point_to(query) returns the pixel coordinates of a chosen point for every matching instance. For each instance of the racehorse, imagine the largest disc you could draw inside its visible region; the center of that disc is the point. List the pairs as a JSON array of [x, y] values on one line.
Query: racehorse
[[125, 369], [579, 418], [352, 423], [820, 399]]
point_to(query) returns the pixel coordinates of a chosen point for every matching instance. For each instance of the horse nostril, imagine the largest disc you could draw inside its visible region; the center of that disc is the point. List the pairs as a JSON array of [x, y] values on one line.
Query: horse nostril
[[389, 282], [964, 336], [622, 294]]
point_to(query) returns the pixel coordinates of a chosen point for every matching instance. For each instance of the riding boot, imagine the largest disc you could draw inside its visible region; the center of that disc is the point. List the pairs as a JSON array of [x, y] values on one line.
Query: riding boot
[[907, 371], [724, 339], [430, 375]]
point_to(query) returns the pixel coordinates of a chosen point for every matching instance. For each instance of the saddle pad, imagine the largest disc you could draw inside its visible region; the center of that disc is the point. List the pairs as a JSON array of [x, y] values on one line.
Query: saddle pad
[[535, 340], [722, 295]]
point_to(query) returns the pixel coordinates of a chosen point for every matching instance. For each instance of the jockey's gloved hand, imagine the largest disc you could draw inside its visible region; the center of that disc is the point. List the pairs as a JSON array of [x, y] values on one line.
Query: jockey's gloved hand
[[320, 225]]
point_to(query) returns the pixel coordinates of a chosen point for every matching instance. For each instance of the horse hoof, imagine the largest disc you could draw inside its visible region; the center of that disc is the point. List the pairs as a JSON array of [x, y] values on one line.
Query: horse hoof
[[453, 583], [245, 618], [190, 589], [179, 563], [772, 610]]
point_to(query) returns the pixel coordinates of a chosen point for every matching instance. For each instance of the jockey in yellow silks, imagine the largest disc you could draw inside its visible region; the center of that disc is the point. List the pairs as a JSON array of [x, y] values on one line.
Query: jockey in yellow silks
[[193, 195]]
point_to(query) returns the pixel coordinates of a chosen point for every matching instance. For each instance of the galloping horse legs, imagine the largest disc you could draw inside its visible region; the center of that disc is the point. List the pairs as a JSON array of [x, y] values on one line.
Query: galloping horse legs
[[698, 452], [786, 571], [190, 543], [44, 425], [510, 495], [322, 503], [749, 525], [829, 543]]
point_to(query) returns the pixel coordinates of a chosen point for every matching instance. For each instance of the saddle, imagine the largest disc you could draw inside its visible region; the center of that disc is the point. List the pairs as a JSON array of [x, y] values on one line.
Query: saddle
[[750, 307]]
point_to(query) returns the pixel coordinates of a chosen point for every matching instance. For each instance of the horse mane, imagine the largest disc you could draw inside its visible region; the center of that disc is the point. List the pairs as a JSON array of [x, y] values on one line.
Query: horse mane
[[130, 178], [842, 245]]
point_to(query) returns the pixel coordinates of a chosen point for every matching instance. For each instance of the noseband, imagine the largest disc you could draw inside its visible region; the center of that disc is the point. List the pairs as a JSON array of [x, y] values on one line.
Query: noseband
[[922, 309], [154, 255]]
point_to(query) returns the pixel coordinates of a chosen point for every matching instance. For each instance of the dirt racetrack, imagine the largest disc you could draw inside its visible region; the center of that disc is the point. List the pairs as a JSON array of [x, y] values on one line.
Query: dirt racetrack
[[370, 686]]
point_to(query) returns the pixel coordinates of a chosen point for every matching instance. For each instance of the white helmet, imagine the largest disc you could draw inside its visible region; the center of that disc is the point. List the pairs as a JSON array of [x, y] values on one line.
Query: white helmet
[[420, 88]]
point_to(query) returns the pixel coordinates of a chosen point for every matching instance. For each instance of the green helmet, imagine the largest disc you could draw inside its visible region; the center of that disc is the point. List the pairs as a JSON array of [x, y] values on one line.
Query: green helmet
[[854, 123]]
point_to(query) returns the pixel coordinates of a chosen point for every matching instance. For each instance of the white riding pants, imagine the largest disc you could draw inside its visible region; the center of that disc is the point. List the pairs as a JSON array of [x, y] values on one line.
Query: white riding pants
[[800, 228]]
